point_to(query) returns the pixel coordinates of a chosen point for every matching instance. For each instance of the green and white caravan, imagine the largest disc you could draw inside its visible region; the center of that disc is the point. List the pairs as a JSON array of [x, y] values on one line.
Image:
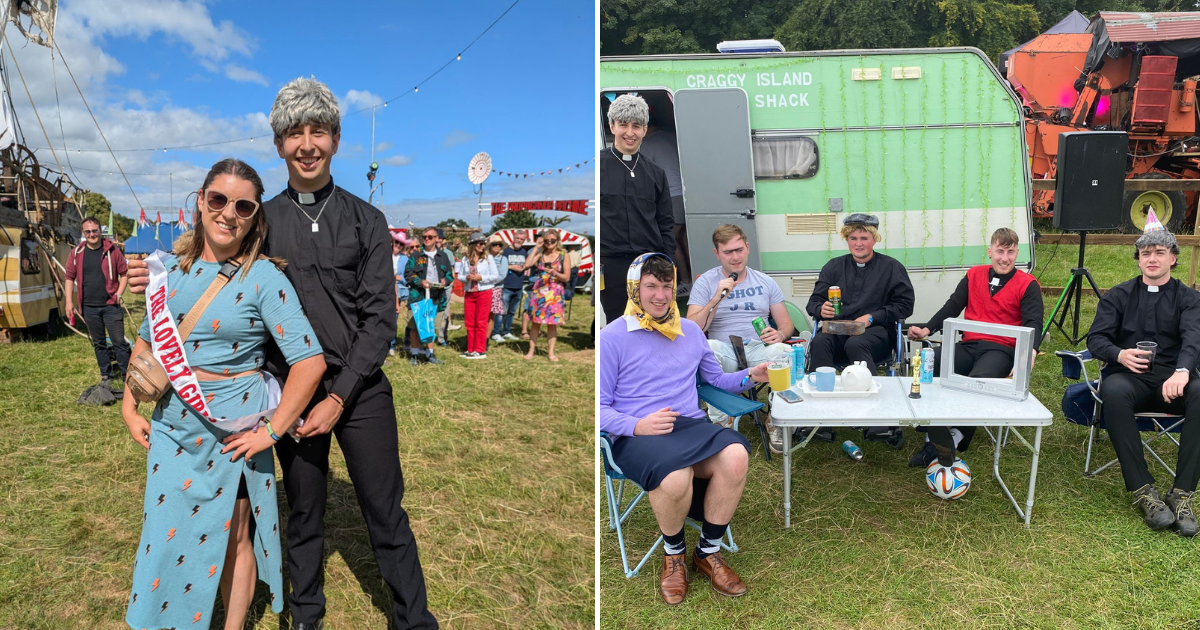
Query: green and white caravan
[[785, 145]]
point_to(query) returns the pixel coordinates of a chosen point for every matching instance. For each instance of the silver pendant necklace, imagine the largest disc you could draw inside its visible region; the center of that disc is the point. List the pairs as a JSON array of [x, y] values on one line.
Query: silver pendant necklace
[[315, 227], [635, 161]]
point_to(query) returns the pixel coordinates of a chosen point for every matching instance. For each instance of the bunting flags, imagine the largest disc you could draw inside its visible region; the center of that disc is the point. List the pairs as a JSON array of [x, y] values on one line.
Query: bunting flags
[[552, 171], [158, 217], [182, 221], [142, 219]]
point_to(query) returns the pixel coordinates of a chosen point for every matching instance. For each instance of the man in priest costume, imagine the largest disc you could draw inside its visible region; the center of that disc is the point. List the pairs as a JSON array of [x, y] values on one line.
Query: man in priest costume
[[1153, 307], [635, 201]]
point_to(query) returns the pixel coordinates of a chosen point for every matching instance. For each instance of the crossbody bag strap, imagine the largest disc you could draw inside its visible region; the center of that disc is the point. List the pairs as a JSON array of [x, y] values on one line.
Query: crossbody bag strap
[[223, 276]]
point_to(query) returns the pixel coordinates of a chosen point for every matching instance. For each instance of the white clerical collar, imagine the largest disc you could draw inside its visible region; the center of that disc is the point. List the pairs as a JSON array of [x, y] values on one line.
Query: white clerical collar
[[1152, 288]]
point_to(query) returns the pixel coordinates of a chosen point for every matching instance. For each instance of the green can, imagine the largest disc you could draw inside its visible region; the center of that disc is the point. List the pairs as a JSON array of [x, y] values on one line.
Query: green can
[[759, 325]]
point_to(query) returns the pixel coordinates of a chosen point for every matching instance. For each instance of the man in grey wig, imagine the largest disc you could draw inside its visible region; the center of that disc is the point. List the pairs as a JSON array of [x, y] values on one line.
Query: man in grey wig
[[338, 251], [635, 201], [1156, 376]]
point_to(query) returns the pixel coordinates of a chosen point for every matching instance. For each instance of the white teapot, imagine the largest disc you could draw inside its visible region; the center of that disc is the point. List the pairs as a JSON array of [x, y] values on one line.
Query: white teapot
[[857, 377]]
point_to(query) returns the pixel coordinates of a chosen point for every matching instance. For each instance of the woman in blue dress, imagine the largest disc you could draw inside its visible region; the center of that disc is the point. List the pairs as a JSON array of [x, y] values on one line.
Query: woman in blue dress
[[210, 521]]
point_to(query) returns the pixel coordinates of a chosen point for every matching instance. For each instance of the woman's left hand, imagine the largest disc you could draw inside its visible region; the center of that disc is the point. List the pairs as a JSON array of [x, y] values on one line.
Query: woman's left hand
[[248, 443]]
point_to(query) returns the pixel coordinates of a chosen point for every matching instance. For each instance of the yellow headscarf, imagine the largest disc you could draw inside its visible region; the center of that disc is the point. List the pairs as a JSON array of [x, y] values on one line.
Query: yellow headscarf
[[669, 324]]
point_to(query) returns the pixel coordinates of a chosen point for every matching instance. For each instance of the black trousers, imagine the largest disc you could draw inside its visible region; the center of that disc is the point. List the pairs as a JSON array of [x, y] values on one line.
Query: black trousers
[[872, 346], [977, 359], [102, 320], [1123, 393], [367, 435], [615, 294]]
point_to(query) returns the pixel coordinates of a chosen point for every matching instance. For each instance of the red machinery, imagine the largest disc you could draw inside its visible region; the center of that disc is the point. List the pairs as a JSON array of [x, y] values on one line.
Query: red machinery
[[1132, 72]]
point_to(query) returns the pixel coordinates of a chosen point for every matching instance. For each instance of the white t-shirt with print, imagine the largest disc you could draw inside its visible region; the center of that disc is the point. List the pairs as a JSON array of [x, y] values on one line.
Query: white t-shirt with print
[[751, 298]]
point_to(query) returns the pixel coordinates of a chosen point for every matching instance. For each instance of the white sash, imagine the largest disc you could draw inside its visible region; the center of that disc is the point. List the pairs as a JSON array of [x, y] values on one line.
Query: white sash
[[169, 350]]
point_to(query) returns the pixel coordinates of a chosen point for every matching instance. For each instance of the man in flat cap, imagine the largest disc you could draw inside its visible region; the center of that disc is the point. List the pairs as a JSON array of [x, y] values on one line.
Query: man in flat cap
[[875, 291], [1153, 307], [635, 202]]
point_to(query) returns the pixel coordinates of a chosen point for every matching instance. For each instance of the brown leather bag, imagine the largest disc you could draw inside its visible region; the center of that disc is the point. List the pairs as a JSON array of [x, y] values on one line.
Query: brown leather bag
[[146, 378]]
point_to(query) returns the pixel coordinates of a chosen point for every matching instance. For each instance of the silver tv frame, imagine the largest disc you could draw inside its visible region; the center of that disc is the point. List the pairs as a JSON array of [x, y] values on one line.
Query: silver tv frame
[[1016, 388]]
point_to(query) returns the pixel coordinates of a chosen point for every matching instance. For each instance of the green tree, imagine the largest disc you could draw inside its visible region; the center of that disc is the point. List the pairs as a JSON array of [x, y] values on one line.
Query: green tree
[[453, 223], [515, 220], [552, 221], [97, 205]]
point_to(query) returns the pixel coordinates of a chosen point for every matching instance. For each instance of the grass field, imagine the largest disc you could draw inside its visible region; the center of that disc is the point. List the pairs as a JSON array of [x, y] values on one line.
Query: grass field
[[870, 548], [498, 488]]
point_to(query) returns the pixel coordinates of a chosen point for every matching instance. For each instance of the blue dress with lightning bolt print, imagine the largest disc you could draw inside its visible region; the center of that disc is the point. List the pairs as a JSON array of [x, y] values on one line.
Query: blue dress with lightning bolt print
[[190, 486]]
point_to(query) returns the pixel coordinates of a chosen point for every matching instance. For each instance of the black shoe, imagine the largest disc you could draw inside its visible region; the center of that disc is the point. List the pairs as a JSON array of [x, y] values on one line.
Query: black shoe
[[924, 457], [893, 436], [434, 360], [1156, 513], [316, 625], [823, 435], [1180, 503]]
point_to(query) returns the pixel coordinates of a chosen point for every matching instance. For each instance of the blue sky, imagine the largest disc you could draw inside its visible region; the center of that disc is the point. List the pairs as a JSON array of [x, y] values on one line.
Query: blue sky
[[166, 73]]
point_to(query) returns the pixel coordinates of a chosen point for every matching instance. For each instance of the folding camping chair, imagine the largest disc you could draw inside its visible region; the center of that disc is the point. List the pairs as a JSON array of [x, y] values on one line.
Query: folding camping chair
[[1076, 410], [618, 512]]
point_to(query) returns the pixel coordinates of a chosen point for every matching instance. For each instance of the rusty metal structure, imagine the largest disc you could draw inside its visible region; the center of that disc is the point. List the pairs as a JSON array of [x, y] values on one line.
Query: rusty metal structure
[[1132, 72]]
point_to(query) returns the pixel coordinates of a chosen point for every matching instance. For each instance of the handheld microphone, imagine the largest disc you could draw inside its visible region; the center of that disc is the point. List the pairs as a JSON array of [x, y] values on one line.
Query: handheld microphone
[[731, 275]]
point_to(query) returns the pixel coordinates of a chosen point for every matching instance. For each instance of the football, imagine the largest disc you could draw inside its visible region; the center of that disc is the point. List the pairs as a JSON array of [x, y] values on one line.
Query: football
[[948, 482]]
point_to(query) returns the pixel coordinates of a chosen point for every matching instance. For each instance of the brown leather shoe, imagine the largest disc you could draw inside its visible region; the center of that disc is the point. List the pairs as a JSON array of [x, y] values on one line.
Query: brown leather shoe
[[674, 581], [724, 580]]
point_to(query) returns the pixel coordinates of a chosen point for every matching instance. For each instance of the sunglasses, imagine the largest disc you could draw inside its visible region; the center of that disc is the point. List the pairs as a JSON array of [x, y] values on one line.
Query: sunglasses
[[86, 232], [550, 241], [429, 236], [243, 208]]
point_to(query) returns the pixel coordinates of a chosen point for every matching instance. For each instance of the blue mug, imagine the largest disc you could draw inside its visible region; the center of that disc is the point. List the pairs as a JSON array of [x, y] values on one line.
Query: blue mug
[[824, 379]]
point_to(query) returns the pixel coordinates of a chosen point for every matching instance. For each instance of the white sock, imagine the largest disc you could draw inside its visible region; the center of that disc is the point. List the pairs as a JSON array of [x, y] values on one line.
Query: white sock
[[957, 436]]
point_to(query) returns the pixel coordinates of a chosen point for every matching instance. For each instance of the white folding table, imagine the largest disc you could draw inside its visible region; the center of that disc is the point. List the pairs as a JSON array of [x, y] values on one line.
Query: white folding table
[[938, 406]]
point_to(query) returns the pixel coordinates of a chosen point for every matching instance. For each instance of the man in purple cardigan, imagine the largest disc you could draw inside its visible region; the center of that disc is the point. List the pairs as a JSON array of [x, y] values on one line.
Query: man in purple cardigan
[[661, 439]]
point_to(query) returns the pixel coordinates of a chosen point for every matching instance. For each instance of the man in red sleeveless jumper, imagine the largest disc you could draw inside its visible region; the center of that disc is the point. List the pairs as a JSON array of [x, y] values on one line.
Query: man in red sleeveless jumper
[[999, 294]]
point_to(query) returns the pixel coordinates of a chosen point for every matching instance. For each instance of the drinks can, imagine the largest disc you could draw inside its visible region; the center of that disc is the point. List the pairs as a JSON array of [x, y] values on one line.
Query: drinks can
[[835, 299], [759, 325], [852, 451], [927, 365], [601, 277], [797, 362]]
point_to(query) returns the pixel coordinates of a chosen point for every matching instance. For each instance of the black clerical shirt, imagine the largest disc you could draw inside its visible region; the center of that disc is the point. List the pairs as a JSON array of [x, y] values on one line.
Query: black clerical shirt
[[343, 274], [1130, 312], [879, 288], [635, 212]]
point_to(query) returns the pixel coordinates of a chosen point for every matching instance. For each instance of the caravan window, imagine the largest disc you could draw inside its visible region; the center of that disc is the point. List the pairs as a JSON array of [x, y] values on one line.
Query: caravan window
[[29, 257], [788, 157]]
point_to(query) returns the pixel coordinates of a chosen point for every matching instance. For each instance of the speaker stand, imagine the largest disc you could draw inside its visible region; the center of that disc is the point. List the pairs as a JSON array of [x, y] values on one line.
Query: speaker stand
[[1071, 296]]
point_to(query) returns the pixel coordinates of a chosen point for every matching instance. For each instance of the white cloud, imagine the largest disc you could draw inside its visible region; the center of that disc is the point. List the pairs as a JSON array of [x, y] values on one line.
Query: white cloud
[[397, 160], [458, 136], [383, 146], [184, 20], [234, 72], [355, 100]]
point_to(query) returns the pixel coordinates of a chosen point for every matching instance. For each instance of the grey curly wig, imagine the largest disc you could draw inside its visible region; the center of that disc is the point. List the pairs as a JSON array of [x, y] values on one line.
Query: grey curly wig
[[304, 101], [629, 108], [1159, 238]]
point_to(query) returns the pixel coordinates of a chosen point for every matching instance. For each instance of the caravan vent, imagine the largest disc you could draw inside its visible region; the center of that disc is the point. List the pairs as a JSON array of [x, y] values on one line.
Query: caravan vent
[[811, 223], [802, 287]]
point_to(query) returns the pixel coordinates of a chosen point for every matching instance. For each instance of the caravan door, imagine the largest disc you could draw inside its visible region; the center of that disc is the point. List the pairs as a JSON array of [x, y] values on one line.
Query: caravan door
[[717, 167]]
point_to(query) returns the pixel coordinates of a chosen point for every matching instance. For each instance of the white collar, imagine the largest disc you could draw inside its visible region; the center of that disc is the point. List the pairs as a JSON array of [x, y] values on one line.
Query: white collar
[[631, 323]]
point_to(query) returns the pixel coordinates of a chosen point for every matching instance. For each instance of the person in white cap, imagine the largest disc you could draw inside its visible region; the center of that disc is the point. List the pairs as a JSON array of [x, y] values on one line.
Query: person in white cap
[[1153, 307]]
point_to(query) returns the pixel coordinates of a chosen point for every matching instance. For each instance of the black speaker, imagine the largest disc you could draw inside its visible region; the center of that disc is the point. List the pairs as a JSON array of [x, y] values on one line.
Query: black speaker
[[1090, 180]]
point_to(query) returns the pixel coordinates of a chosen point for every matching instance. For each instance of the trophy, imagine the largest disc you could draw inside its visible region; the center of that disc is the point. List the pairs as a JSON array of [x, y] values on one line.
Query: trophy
[[915, 390]]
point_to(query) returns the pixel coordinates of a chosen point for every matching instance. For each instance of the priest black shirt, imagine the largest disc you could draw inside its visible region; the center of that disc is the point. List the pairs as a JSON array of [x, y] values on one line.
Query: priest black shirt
[[1130, 312], [343, 274]]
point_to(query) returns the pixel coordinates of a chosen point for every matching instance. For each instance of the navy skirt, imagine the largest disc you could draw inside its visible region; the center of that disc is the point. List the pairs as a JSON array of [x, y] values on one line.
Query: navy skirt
[[648, 459]]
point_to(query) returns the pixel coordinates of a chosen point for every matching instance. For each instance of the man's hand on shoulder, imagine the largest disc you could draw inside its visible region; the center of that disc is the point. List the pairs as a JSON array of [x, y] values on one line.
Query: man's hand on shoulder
[[660, 422], [139, 276]]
